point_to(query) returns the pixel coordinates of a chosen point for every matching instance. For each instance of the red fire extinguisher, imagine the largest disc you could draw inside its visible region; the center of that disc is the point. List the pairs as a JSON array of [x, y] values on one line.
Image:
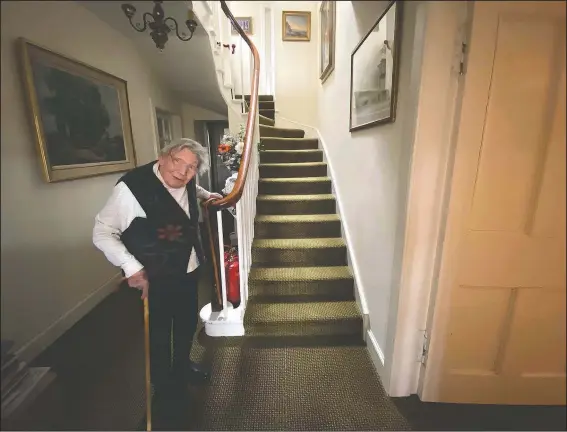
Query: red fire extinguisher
[[232, 272]]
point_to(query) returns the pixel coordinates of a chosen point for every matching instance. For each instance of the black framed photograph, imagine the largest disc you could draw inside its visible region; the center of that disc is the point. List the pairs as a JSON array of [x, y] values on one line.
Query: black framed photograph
[[374, 70], [327, 15]]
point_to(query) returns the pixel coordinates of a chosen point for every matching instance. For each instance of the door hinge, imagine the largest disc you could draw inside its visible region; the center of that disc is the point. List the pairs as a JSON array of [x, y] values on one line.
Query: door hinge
[[462, 68], [424, 348]]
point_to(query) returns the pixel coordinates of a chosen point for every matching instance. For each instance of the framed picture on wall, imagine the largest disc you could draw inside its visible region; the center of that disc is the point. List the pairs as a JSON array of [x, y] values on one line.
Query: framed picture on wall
[[245, 23], [327, 16], [80, 116], [296, 26], [374, 68]]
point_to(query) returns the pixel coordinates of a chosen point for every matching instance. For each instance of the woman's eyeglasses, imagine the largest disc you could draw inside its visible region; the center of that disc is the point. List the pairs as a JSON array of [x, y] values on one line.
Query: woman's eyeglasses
[[180, 165]]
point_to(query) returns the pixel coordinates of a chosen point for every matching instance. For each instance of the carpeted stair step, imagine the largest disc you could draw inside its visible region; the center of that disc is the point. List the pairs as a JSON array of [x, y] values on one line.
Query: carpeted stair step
[[272, 131], [283, 156], [295, 204], [269, 113], [266, 121], [297, 226], [295, 186], [307, 169], [275, 143], [338, 318], [304, 252], [286, 284]]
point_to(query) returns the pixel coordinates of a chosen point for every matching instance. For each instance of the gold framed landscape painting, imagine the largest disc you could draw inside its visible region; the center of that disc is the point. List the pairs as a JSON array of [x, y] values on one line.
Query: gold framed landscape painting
[[296, 26], [327, 15], [80, 115]]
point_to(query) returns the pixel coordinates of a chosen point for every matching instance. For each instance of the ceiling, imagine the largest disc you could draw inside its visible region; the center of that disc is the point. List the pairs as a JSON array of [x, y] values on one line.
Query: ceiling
[[186, 67]]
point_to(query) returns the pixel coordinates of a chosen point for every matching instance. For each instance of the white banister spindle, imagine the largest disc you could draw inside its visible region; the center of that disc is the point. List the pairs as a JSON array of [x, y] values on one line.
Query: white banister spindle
[[221, 259], [242, 46], [229, 322]]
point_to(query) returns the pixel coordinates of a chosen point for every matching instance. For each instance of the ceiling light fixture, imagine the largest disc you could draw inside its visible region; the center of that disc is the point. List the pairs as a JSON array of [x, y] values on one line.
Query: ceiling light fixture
[[160, 26]]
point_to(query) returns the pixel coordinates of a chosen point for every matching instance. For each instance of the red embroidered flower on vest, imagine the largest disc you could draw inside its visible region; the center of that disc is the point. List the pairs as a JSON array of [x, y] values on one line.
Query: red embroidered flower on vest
[[170, 233]]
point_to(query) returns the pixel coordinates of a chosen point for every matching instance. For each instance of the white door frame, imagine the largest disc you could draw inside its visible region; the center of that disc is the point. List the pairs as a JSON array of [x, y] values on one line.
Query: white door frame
[[447, 26]]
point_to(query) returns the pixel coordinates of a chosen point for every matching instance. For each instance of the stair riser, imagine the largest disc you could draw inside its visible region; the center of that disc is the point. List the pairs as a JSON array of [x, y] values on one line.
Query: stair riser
[[281, 133], [297, 230], [293, 188], [295, 207], [347, 327], [271, 114], [291, 157], [261, 98], [283, 292], [287, 144], [266, 105], [266, 121], [273, 257], [293, 171]]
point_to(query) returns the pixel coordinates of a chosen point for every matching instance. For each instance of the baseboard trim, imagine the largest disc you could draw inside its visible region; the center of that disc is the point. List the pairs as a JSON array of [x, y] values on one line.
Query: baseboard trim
[[39, 343], [376, 353]]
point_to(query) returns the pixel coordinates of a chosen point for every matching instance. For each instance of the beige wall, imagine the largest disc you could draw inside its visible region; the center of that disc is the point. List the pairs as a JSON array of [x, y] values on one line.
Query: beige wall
[[297, 67], [296, 63], [51, 272], [372, 205], [190, 113]]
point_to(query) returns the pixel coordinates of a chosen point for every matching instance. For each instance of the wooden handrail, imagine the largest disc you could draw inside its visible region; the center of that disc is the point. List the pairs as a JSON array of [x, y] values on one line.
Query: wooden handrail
[[210, 207]]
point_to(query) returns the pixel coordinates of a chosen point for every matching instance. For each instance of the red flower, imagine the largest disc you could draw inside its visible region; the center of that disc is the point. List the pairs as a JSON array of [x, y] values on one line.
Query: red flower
[[170, 233], [223, 148]]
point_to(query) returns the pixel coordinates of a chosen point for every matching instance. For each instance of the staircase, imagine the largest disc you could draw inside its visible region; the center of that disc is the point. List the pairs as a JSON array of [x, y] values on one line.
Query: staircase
[[300, 285], [302, 364]]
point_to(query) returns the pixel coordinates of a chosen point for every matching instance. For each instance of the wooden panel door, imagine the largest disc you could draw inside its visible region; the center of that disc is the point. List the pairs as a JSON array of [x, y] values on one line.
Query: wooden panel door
[[498, 327]]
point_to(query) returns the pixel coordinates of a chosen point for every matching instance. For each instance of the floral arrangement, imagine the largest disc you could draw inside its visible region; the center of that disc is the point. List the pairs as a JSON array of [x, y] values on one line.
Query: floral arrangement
[[230, 149]]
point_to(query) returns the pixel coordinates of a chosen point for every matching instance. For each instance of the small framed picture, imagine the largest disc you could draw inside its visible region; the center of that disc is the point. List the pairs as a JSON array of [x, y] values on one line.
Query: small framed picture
[[245, 23], [296, 26]]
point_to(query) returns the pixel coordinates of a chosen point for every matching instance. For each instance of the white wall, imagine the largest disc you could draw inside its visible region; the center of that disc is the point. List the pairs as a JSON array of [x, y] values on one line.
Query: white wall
[[296, 63], [51, 273], [241, 68], [371, 167]]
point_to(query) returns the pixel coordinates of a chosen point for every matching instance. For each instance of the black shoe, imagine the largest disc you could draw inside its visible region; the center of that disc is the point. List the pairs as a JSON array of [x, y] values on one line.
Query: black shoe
[[198, 372], [191, 373]]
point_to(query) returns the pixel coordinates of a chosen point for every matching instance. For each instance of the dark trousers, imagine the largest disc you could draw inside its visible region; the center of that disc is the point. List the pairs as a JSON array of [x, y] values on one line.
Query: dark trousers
[[173, 322]]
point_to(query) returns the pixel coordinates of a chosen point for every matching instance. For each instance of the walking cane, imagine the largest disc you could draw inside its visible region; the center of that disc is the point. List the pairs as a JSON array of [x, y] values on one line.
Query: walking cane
[[147, 355]]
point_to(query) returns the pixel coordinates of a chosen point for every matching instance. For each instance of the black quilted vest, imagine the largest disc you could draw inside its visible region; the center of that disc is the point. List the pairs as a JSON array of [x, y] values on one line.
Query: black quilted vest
[[162, 241]]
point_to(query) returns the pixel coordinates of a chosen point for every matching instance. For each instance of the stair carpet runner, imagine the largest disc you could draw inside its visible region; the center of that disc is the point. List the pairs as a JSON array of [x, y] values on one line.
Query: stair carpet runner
[[298, 255], [303, 363]]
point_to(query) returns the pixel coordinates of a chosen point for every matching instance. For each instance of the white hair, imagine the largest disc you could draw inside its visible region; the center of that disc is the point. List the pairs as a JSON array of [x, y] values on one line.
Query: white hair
[[194, 147]]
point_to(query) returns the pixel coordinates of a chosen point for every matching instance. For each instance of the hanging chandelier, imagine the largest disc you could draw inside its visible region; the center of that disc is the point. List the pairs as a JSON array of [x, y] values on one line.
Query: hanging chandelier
[[159, 25]]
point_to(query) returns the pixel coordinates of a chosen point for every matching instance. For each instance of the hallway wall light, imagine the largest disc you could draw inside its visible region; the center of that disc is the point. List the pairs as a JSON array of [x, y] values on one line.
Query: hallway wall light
[[159, 25]]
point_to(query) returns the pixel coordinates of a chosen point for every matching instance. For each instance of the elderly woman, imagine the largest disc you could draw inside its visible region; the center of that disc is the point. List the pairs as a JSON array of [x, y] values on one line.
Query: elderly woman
[[149, 228]]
